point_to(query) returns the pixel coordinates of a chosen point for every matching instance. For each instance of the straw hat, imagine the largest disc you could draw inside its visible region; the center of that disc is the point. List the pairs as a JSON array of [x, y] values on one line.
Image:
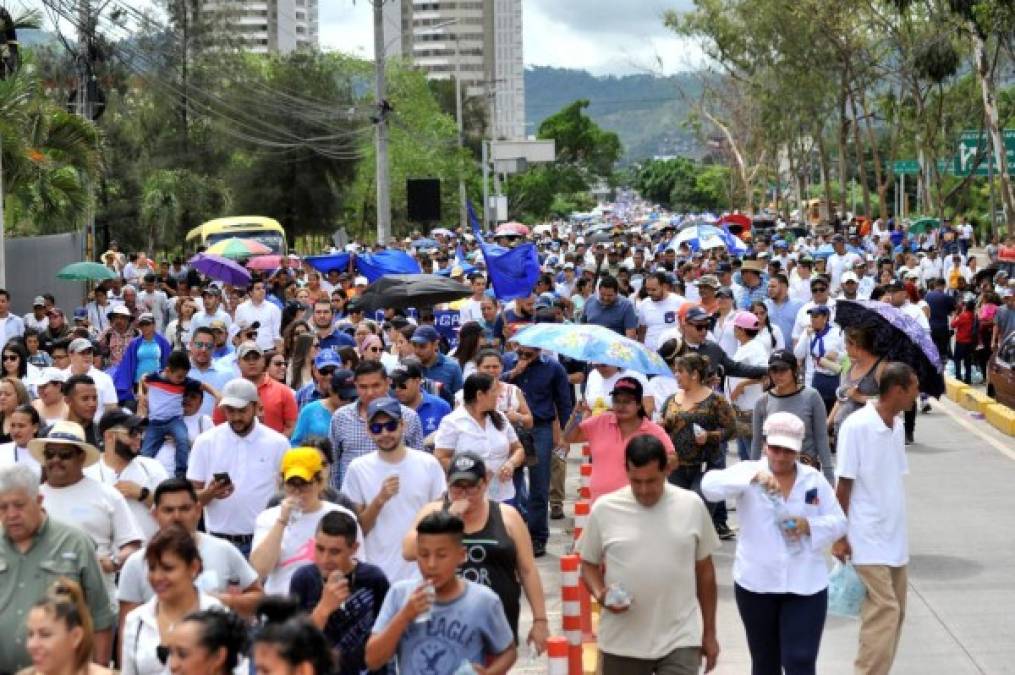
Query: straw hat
[[64, 433]]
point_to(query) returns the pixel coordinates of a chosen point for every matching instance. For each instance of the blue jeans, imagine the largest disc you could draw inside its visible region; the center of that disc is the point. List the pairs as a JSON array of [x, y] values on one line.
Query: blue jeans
[[539, 485], [156, 433], [743, 448], [521, 499]]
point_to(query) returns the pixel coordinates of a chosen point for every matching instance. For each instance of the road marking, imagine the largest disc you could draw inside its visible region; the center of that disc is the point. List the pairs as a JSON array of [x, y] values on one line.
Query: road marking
[[963, 421]]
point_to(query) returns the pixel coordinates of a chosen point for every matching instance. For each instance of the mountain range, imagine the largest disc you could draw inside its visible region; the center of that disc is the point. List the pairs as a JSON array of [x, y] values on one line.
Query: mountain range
[[647, 112]]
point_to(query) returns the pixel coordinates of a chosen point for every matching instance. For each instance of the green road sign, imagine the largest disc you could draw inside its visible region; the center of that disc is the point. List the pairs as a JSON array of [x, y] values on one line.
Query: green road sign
[[973, 144], [907, 167]]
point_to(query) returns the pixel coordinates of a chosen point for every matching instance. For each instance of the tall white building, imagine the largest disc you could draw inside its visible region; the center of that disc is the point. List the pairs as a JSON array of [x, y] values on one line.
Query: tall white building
[[266, 26], [480, 40]]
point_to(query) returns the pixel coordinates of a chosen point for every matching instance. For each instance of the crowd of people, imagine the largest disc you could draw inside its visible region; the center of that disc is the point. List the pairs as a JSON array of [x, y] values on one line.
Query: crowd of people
[[198, 477]]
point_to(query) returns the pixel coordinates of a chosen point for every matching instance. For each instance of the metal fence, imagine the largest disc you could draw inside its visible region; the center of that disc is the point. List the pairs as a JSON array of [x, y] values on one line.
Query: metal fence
[[32, 264]]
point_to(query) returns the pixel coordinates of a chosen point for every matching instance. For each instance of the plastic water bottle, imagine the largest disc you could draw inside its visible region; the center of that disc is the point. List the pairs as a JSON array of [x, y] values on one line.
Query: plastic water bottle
[[431, 596], [599, 406], [784, 520]]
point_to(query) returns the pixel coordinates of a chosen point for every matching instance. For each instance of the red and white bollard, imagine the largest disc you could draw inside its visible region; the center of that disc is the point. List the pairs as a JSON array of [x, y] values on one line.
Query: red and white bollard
[[556, 655], [570, 594], [581, 515], [585, 481]]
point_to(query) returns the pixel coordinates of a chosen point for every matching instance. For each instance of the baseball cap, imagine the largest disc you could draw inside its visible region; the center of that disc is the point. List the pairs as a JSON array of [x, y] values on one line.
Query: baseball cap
[[238, 393], [302, 463], [838, 239], [849, 276], [78, 345], [785, 430], [119, 310], [384, 405], [407, 370], [697, 313], [120, 418], [327, 358], [246, 348], [895, 285], [467, 466], [425, 334], [80, 314], [211, 290], [147, 317], [709, 280], [745, 320], [569, 265], [544, 301], [217, 324], [342, 383], [243, 325], [724, 267], [39, 301], [912, 275], [628, 385], [782, 357], [820, 309], [724, 292]]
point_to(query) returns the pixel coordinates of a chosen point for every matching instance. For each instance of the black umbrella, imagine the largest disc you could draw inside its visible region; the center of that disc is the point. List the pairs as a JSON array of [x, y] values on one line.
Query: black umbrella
[[400, 291], [897, 337]]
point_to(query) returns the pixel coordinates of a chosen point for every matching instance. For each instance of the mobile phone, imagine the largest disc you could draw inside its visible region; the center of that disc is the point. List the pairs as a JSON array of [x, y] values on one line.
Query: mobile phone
[[222, 477]]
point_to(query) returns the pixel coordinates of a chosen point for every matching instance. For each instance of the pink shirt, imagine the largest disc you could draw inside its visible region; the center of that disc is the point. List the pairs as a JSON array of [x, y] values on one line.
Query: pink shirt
[[607, 450]]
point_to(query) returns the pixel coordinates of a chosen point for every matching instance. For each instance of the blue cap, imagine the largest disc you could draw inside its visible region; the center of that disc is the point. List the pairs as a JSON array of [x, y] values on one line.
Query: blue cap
[[819, 309], [386, 405], [326, 358], [424, 334], [544, 301], [80, 313], [697, 314]]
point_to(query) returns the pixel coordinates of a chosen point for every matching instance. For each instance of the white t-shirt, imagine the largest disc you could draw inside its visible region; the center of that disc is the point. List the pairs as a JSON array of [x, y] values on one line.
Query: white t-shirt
[[144, 471], [420, 481], [596, 386], [657, 317], [470, 311], [100, 512], [252, 462], [10, 455], [874, 457], [269, 317], [660, 388], [751, 353], [220, 561], [197, 424], [297, 543], [460, 432]]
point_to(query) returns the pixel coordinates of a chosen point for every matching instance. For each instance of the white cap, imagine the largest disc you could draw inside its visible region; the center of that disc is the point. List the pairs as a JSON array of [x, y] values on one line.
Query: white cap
[[360, 281], [238, 393], [49, 375], [849, 276], [785, 430]]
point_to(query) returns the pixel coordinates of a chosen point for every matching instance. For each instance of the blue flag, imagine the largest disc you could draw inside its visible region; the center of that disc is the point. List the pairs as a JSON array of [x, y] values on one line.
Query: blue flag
[[375, 265], [513, 272]]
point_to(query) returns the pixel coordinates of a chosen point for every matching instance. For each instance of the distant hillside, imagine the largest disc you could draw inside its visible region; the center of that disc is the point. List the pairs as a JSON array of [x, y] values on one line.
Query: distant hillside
[[645, 111]]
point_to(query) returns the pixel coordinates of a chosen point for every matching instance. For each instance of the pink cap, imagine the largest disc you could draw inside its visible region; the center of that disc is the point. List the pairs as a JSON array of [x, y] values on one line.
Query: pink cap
[[784, 429], [745, 320]]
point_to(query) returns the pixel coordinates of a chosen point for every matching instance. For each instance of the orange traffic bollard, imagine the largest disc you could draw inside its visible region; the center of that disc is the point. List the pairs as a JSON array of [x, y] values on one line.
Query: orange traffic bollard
[[570, 594], [584, 481], [556, 655]]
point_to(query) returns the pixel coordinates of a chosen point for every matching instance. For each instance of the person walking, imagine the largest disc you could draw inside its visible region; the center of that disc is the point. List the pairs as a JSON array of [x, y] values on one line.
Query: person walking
[[788, 517], [872, 493], [659, 610]]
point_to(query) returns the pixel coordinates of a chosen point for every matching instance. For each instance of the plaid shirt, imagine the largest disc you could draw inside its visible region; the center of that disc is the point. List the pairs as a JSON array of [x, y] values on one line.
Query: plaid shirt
[[308, 393], [350, 438]]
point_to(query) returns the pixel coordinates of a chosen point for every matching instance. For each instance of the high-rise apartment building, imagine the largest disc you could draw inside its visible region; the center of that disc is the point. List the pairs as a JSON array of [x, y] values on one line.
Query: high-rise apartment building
[[480, 40], [266, 26]]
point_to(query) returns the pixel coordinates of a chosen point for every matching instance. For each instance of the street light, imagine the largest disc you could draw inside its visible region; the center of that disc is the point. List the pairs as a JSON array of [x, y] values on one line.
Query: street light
[[462, 198]]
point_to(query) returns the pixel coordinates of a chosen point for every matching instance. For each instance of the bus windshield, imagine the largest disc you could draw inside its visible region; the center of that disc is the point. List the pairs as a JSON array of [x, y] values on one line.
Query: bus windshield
[[273, 240]]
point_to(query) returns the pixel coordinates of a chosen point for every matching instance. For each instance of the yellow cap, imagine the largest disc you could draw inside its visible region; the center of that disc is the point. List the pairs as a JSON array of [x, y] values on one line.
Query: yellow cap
[[302, 463]]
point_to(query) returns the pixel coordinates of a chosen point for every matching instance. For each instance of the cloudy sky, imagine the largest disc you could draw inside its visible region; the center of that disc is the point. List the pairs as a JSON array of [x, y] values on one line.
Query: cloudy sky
[[602, 36]]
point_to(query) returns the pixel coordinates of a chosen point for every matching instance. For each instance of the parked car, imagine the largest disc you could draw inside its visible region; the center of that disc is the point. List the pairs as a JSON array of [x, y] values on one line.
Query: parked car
[[1001, 373]]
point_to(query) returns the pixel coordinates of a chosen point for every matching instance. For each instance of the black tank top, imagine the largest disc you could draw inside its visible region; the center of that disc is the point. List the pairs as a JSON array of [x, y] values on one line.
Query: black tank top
[[492, 560]]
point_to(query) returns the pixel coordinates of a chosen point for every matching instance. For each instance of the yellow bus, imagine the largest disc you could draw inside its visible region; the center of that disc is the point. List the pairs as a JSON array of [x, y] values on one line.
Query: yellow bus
[[263, 230]]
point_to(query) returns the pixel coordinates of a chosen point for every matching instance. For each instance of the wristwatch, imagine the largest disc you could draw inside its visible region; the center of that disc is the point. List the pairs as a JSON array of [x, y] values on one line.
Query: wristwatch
[[143, 496], [115, 559]]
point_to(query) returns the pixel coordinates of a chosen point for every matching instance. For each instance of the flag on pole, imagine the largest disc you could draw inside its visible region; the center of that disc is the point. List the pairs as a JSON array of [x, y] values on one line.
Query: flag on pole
[[513, 272]]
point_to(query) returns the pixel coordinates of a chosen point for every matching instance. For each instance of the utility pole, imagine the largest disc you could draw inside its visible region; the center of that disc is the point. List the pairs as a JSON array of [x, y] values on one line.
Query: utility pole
[[463, 216], [3, 258], [381, 129]]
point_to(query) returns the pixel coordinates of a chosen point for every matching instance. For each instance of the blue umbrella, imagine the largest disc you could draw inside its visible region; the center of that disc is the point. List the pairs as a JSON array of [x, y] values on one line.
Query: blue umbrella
[[696, 235], [824, 251], [223, 269], [897, 337], [593, 344], [425, 243]]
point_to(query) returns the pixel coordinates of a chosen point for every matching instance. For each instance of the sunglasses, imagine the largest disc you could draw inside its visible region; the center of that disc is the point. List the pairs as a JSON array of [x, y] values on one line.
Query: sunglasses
[[11, 357], [279, 364], [204, 345], [64, 454], [526, 355], [378, 427], [820, 289]]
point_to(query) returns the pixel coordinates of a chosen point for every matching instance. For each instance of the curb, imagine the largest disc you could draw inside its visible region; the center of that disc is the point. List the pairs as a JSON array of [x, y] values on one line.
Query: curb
[[999, 416]]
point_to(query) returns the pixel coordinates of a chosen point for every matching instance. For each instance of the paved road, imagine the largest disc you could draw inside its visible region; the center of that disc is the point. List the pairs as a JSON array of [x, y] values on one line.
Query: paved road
[[961, 614]]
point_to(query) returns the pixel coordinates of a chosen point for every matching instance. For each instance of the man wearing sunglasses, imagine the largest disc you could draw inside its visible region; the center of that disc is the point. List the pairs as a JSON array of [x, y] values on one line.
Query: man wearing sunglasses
[[99, 510], [203, 367], [389, 487], [820, 295], [407, 383]]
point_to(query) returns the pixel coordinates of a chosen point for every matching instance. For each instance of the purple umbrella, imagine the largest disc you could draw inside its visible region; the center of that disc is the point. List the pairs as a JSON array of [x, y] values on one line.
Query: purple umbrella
[[897, 337], [223, 269]]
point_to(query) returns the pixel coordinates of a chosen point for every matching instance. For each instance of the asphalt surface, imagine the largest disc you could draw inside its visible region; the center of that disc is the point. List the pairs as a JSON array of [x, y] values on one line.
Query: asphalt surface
[[961, 602]]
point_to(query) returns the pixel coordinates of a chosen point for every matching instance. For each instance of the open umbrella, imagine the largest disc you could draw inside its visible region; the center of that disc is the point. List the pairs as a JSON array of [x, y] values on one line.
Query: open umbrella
[[442, 231], [921, 225], [897, 337], [234, 247], [593, 344], [425, 243], [401, 291], [265, 263], [223, 269], [513, 229], [85, 271], [824, 251]]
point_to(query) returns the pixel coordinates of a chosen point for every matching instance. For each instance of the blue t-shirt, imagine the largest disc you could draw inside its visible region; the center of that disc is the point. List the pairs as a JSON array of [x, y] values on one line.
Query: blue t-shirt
[[618, 317], [314, 420], [469, 628], [431, 411], [347, 629], [446, 371], [149, 357]]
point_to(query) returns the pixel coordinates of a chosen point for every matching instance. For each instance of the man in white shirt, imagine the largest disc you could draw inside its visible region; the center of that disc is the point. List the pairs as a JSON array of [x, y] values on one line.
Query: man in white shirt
[[840, 261], [800, 280], [212, 298], [259, 310], [658, 312], [73, 498], [668, 624], [389, 487], [470, 309], [122, 468], [233, 466], [152, 299], [81, 353], [11, 325], [820, 295], [870, 468]]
